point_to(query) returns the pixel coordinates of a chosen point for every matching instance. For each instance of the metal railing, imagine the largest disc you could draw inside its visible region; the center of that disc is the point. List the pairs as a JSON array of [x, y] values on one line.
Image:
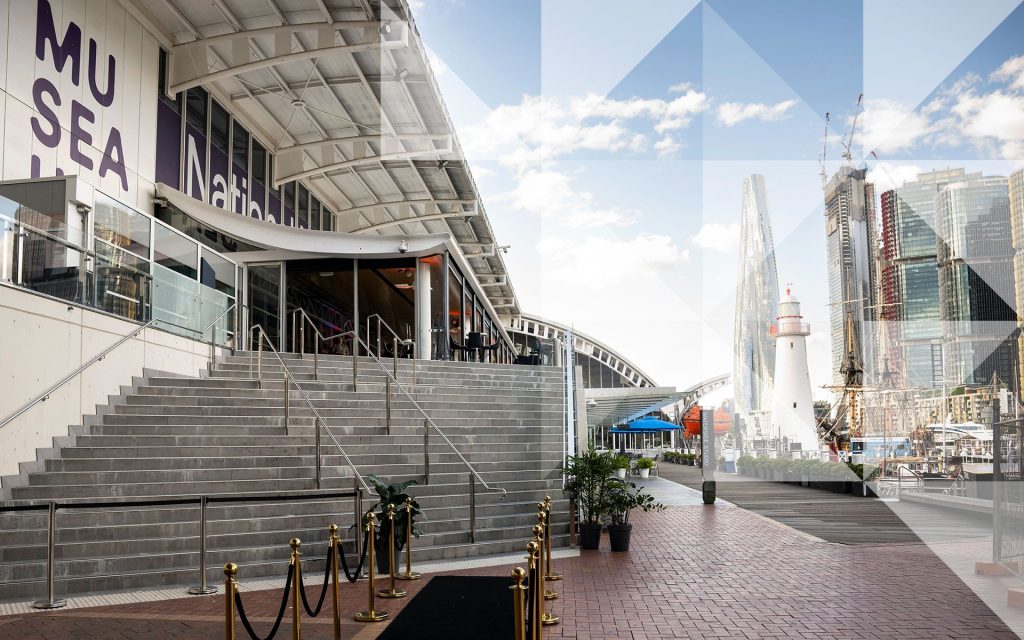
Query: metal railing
[[71, 376], [428, 424], [318, 420], [201, 501], [395, 341]]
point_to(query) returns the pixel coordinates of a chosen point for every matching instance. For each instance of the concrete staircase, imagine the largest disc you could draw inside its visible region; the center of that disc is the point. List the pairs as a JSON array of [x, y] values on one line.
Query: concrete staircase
[[167, 436]]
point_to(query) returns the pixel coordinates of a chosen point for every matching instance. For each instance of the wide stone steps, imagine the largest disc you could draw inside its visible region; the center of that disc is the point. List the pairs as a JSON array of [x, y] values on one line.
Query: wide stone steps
[[223, 433]]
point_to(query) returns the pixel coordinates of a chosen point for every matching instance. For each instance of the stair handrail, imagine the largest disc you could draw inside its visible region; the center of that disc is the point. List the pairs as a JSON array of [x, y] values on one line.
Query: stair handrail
[[382, 323], [289, 379], [423, 413], [71, 376]]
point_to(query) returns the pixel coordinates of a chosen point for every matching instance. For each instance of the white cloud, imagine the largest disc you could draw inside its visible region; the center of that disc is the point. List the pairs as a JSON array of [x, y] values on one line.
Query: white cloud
[[887, 175], [733, 113], [667, 147], [540, 128], [682, 87], [550, 194], [1011, 70], [890, 126], [596, 262], [995, 115], [714, 236]]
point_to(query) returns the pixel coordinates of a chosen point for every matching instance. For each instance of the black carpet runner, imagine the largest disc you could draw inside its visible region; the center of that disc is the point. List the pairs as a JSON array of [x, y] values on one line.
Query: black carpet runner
[[456, 608]]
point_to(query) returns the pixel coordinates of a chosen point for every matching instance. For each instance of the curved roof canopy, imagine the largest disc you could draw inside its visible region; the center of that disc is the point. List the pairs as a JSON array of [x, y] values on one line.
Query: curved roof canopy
[[342, 93]]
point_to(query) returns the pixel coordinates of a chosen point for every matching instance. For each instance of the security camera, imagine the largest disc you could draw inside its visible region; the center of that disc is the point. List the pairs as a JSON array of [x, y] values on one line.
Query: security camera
[[404, 247], [505, 247]]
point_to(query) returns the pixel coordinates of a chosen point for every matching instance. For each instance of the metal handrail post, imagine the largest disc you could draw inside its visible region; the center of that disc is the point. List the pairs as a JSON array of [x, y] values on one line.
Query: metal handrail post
[[394, 355], [51, 536], [357, 507], [316, 360], [316, 427], [378, 335], [259, 364], [387, 406], [202, 589], [355, 366], [287, 397], [426, 452], [302, 338], [472, 509]]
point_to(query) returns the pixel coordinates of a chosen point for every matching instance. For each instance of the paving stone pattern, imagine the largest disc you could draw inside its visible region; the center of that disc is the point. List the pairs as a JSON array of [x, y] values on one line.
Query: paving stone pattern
[[693, 572]]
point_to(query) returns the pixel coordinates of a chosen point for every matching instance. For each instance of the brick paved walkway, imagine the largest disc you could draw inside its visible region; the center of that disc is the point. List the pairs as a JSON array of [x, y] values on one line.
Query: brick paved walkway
[[693, 572]]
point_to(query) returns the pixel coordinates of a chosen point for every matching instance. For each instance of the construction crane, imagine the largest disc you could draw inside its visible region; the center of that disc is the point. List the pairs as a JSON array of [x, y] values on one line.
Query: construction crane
[[824, 153], [848, 144]]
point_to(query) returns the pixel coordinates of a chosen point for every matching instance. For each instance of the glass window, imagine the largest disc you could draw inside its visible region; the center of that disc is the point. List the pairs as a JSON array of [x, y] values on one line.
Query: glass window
[[162, 83], [216, 272], [274, 190], [219, 122], [288, 199], [314, 213], [259, 162], [303, 207], [195, 108], [121, 227], [455, 306], [328, 217], [240, 145], [175, 252]]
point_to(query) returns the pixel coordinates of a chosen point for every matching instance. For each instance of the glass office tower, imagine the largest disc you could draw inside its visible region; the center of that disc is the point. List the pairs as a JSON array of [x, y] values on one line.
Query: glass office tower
[[757, 295], [976, 284]]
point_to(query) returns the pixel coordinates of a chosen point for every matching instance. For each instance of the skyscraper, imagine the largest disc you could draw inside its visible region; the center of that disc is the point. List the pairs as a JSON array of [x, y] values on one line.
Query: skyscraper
[[852, 242], [757, 294], [1016, 190], [910, 309], [976, 284]]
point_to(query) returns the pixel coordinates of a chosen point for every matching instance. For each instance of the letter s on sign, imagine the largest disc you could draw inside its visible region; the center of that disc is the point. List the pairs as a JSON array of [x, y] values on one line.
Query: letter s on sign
[[39, 87]]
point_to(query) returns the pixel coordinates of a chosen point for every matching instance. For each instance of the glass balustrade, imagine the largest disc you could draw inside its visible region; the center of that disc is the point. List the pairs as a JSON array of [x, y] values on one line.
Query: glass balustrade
[[125, 263]]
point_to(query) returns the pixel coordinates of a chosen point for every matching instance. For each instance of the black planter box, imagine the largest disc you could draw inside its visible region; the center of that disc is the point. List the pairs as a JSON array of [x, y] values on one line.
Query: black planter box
[[590, 536], [618, 535]]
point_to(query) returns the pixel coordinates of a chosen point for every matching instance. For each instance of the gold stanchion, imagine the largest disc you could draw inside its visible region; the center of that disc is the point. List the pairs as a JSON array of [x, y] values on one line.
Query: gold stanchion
[[517, 603], [549, 573], [391, 592], [545, 549], [296, 563], [230, 586], [409, 574], [534, 605], [335, 551], [370, 615], [545, 618]]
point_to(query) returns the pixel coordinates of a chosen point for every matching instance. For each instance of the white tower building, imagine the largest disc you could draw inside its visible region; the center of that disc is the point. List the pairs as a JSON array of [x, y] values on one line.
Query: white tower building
[[792, 407]]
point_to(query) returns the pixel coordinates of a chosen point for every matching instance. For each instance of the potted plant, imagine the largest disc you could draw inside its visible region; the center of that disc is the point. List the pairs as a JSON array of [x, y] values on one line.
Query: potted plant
[[623, 497], [588, 477], [643, 466], [621, 465], [395, 494]]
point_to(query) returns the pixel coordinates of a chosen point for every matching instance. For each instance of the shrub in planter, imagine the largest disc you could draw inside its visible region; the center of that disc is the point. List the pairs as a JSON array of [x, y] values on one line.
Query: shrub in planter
[[621, 465], [644, 466], [623, 497], [589, 478], [392, 494], [744, 466]]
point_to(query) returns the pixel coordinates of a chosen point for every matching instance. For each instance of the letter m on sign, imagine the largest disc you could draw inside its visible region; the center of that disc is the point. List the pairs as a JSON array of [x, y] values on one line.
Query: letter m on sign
[[70, 48]]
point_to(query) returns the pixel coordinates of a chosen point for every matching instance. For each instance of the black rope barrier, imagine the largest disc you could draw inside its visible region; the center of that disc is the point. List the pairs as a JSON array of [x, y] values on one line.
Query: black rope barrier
[[352, 577], [323, 592], [280, 613]]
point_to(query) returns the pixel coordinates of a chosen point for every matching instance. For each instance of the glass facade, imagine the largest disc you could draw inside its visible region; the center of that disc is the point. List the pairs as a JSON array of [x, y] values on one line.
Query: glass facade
[[757, 296], [116, 260], [975, 258]]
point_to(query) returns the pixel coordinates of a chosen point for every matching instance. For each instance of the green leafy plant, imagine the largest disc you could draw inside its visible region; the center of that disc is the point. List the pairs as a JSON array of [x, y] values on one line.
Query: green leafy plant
[[395, 494], [624, 497], [589, 476], [621, 462], [644, 463]]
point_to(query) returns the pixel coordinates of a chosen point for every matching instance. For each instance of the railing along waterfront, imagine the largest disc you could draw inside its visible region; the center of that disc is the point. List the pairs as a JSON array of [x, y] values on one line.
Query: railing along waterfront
[[318, 420], [200, 501]]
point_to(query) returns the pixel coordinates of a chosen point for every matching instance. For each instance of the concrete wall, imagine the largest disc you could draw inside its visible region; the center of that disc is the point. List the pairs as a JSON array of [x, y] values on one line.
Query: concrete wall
[[42, 340]]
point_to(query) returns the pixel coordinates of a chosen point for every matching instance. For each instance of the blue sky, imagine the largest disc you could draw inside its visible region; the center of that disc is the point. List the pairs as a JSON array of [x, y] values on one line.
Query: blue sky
[[610, 149]]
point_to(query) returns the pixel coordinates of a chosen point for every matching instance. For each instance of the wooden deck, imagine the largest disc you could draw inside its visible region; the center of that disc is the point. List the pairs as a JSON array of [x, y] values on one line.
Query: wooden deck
[[835, 517]]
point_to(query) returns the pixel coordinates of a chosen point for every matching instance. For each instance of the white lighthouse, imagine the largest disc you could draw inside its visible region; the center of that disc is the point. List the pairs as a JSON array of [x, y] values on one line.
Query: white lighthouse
[[792, 407]]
